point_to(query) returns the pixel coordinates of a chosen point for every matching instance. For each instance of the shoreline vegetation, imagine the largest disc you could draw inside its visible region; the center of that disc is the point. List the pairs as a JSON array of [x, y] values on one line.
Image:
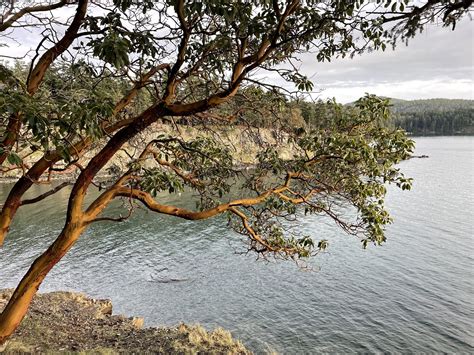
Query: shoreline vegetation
[[419, 118], [72, 322], [244, 142]]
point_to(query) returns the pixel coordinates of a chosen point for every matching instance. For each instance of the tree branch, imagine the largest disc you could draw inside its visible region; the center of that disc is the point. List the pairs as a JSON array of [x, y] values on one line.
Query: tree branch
[[45, 195], [171, 84], [12, 202], [60, 47], [37, 74], [28, 10]]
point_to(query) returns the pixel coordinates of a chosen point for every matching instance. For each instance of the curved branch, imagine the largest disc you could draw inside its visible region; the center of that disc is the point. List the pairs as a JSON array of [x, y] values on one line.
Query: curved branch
[[28, 10], [63, 44], [12, 202], [10, 137], [171, 85], [144, 197], [251, 232], [417, 11], [37, 74], [127, 99]]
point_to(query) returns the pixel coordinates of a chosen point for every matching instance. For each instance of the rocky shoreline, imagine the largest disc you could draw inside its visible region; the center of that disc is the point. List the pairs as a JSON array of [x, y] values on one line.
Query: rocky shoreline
[[72, 322]]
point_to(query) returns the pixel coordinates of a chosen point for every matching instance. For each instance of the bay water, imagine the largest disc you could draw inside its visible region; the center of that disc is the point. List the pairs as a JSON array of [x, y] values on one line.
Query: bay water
[[413, 294]]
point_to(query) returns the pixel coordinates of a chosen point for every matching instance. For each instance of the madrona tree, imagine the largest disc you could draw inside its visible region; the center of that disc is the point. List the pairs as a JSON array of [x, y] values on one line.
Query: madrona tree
[[102, 74]]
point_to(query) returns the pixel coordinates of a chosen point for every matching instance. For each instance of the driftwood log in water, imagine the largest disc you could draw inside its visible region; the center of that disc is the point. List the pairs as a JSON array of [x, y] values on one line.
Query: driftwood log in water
[[419, 156]]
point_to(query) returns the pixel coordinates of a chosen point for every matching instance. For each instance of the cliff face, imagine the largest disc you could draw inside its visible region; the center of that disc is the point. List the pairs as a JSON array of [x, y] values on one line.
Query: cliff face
[[243, 143], [67, 321]]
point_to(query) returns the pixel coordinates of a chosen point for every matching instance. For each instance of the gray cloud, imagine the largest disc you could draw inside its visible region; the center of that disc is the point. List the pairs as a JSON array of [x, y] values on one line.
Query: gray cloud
[[438, 62]]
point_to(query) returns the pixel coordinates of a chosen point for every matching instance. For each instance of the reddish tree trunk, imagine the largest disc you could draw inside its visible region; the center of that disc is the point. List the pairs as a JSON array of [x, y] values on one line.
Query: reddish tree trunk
[[20, 301]]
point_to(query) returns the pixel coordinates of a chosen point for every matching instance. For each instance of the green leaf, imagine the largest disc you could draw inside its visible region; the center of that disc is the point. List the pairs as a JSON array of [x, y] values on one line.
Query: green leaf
[[14, 159]]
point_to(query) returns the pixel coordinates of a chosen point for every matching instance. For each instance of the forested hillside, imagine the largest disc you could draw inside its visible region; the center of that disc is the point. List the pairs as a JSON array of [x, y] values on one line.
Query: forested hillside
[[434, 116]]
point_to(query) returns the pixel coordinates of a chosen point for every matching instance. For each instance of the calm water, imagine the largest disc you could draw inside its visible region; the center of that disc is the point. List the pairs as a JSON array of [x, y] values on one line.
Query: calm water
[[414, 294]]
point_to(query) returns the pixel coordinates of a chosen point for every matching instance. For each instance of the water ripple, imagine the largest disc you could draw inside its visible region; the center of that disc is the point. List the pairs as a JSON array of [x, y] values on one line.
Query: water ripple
[[413, 295]]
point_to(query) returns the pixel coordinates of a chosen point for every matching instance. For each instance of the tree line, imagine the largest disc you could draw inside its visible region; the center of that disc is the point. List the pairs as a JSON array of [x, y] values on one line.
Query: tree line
[[434, 117]]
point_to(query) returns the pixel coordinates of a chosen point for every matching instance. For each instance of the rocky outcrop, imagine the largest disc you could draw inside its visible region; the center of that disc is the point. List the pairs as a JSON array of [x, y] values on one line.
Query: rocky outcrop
[[243, 144], [73, 322]]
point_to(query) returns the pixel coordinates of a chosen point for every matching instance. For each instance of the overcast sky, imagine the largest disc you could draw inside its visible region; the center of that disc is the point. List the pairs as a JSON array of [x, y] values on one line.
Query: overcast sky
[[437, 63]]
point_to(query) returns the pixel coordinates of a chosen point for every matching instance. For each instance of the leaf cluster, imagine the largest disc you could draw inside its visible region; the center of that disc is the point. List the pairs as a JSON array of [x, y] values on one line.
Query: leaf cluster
[[346, 164]]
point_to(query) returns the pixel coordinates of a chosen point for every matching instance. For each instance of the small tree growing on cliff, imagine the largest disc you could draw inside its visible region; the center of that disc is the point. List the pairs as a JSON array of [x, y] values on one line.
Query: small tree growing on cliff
[[124, 65]]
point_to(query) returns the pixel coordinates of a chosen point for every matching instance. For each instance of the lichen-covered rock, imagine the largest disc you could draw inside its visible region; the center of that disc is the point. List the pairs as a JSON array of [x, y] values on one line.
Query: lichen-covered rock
[[73, 322]]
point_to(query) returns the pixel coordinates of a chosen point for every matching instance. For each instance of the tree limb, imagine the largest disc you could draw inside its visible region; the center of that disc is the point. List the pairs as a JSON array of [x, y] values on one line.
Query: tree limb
[[28, 10], [60, 47], [45, 195]]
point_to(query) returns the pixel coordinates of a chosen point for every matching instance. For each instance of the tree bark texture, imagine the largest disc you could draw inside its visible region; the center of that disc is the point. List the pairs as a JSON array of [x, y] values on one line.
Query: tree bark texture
[[20, 301]]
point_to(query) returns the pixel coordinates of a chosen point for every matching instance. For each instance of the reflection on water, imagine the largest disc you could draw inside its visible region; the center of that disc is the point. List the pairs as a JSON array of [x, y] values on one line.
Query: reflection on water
[[413, 294]]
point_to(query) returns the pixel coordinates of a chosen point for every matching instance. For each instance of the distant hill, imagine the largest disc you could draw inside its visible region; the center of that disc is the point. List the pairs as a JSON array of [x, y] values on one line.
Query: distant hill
[[434, 116]]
